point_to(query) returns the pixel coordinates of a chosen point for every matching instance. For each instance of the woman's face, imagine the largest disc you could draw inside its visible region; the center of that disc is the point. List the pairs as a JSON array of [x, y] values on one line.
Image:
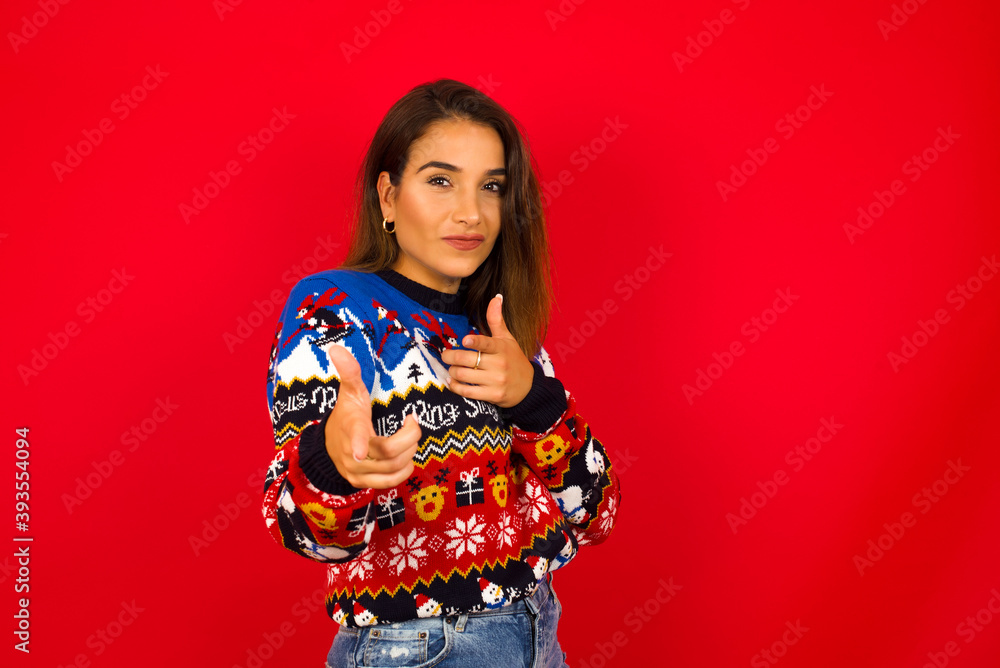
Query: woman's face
[[447, 206]]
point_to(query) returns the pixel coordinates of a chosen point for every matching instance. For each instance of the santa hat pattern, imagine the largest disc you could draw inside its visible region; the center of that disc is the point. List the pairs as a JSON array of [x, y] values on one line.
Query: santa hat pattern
[[538, 565], [493, 595], [339, 614], [427, 606], [362, 617]]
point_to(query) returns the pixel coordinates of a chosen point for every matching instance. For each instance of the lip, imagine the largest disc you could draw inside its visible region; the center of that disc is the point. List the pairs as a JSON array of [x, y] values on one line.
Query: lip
[[465, 242]]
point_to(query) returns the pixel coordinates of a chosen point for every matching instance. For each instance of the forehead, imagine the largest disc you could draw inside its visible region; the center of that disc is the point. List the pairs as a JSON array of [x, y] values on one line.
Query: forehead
[[463, 143]]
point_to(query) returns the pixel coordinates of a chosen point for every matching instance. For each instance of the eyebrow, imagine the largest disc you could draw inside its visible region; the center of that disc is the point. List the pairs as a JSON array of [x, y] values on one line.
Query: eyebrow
[[497, 171]]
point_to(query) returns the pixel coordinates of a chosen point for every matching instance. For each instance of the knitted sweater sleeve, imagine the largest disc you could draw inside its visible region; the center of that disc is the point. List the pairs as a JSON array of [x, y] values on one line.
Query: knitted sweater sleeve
[[556, 443], [308, 506]]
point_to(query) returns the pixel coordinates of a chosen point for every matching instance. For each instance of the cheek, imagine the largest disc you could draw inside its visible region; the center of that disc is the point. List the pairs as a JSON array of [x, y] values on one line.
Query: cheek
[[496, 227], [415, 211], [434, 204], [415, 231], [496, 240]]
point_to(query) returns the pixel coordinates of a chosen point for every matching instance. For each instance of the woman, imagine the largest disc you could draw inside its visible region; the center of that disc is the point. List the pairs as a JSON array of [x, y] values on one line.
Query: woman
[[426, 452]]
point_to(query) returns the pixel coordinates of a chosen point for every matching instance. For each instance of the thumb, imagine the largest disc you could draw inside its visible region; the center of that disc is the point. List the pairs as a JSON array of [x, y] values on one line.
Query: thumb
[[411, 424], [351, 385], [494, 316], [348, 369]]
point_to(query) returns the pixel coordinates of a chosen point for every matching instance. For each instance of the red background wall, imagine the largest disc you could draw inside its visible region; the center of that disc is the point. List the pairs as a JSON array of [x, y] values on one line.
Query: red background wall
[[187, 324]]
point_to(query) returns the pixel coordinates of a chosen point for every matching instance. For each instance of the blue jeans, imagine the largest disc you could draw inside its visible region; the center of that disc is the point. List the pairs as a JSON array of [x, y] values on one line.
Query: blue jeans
[[520, 634]]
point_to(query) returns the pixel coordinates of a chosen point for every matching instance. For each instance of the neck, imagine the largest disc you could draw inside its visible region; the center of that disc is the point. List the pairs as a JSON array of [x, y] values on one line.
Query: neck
[[435, 300]]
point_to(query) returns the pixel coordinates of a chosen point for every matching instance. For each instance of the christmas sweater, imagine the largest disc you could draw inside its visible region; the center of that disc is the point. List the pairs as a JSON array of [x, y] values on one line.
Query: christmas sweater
[[497, 498]]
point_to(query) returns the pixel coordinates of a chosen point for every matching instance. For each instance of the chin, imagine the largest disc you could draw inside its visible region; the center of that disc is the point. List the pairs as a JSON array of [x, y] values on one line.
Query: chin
[[463, 270]]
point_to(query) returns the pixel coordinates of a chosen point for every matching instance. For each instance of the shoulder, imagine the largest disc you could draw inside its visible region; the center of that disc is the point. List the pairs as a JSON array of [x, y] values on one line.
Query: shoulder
[[335, 287], [340, 284], [345, 279]]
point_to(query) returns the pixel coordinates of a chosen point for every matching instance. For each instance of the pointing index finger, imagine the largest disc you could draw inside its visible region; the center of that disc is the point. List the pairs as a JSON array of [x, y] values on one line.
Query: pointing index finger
[[479, 342]]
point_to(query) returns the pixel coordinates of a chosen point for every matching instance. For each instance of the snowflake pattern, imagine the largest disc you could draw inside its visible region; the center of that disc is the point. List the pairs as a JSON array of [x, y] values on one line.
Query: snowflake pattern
[[407, 552], [465, 537], [535, 502], [506, 534], [361, 567]]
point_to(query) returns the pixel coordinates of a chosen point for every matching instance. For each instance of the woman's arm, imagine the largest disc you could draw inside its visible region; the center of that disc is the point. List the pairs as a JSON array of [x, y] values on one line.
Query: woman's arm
[[556, 443], [548, 433], [309, 506]]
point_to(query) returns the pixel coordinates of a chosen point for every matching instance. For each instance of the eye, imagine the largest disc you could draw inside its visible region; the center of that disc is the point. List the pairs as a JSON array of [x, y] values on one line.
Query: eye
[[493, 185], [500, 186]]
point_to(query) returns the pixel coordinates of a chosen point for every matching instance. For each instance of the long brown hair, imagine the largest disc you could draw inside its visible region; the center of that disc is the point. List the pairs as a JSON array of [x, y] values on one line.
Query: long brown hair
[[518, 266]]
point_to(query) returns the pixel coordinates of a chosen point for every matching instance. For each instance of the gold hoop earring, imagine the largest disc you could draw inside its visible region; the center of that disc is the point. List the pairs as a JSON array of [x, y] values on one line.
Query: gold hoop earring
[[393, 230]]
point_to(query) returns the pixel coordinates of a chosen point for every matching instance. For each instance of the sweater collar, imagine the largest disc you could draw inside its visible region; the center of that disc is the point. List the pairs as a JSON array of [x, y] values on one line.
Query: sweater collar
[[442, 302]]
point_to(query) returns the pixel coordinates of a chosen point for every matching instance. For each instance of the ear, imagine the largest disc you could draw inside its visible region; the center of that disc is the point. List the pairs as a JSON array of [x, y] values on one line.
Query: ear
[[386, 195]]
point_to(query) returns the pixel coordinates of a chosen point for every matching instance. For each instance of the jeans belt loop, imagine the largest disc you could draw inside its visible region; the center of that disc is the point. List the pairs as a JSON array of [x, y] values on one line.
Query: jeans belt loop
[[460, 624], [534, 602]]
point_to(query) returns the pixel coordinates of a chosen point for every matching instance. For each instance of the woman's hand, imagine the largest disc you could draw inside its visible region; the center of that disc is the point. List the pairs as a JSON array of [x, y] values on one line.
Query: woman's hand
[[363, 458], [504, 375]]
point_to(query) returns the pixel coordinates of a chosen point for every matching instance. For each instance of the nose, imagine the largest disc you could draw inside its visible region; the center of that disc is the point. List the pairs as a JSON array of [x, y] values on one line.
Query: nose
[[467, 206]]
